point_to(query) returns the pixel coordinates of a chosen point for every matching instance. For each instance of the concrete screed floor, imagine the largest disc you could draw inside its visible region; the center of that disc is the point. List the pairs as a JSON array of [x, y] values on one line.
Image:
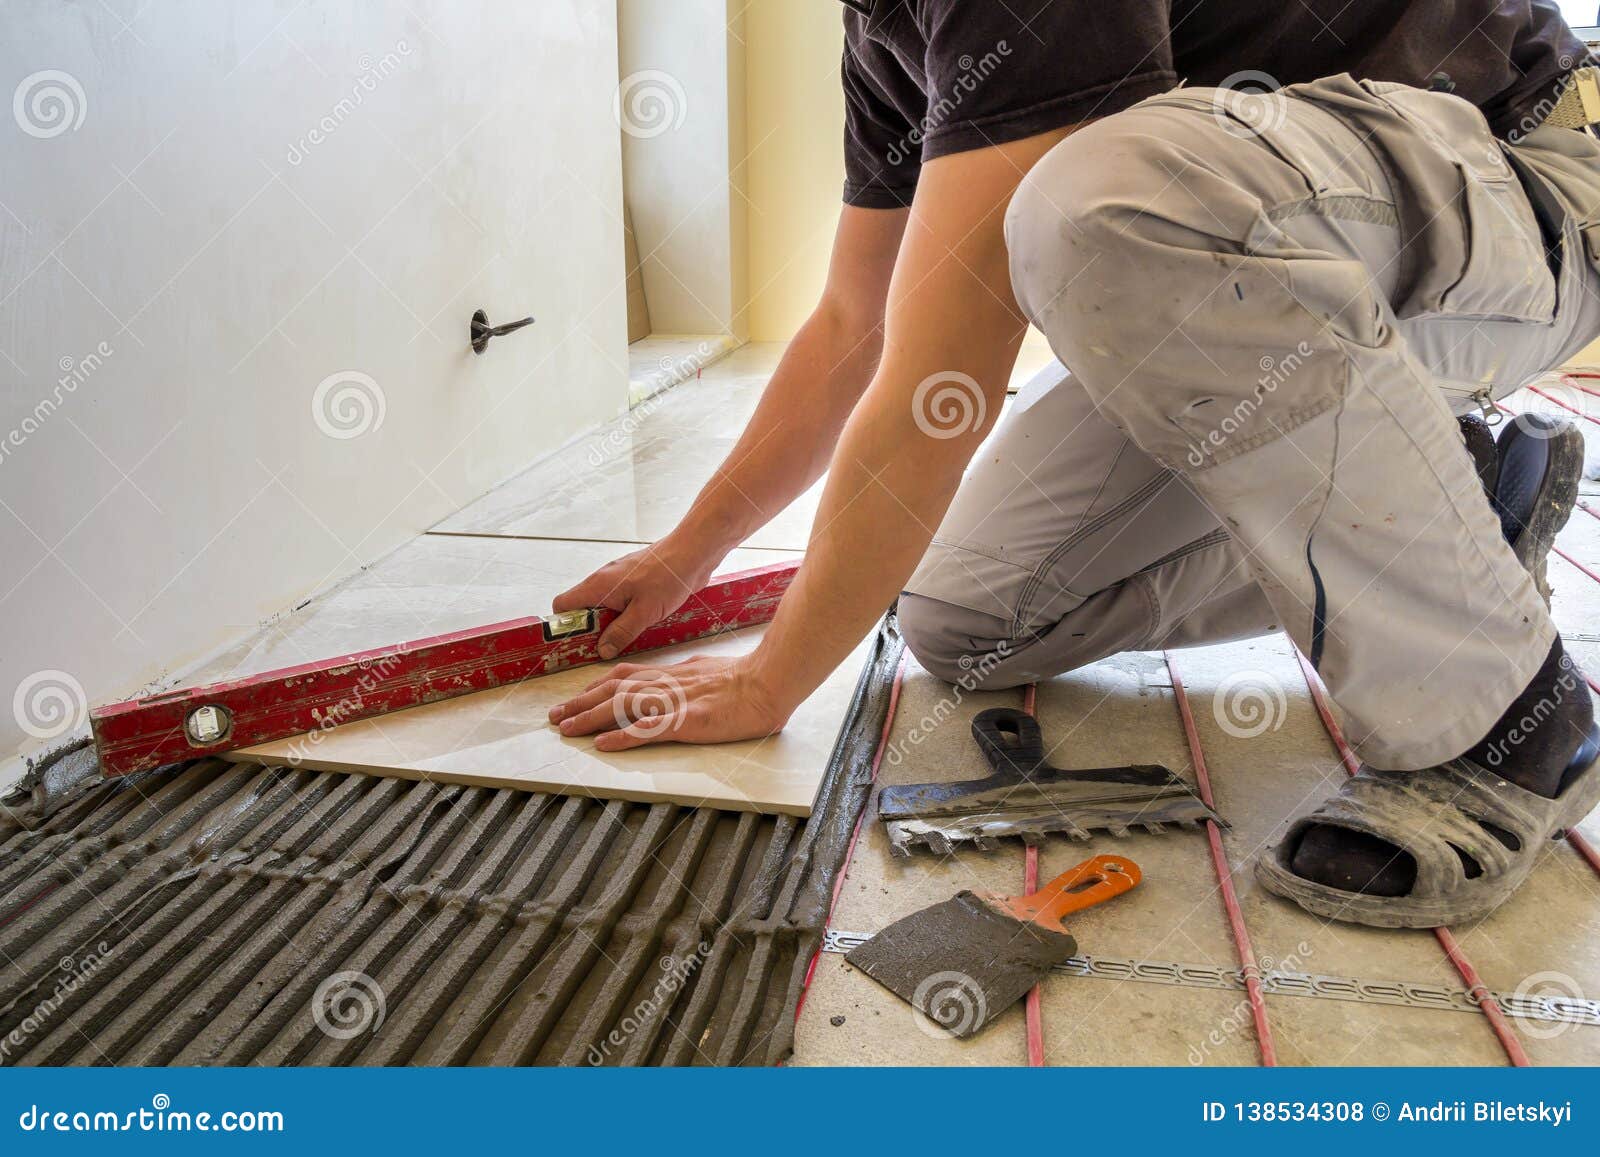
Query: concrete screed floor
[[508, 553]]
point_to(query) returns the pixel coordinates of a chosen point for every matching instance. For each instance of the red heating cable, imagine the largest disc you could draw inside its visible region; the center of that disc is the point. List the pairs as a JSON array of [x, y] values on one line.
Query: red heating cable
[[1564, 406], [1219, 858]]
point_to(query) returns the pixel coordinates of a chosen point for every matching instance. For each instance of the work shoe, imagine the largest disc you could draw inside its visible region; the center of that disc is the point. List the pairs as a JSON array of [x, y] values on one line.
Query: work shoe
[[1479, 437], [1417, 849], [1540, 460]]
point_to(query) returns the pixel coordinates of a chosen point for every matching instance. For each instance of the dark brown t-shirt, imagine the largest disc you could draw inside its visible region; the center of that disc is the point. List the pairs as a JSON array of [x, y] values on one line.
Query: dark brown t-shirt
[[923, 78]]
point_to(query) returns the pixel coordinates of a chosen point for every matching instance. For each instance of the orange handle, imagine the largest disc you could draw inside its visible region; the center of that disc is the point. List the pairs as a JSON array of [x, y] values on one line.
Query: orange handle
[[1092, 882]]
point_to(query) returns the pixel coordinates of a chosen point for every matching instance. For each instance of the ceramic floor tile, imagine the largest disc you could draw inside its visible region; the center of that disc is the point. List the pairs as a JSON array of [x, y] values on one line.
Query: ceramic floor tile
[[502, 738], [635, 478], [661, 361]]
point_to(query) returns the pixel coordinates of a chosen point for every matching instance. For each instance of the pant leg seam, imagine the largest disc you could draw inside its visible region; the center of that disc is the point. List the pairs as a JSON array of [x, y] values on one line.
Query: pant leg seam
[[1214, 538], [1141, 496]]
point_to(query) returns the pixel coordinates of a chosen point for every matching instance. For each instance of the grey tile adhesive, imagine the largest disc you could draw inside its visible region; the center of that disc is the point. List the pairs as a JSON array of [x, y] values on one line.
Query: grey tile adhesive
[[226, 914]]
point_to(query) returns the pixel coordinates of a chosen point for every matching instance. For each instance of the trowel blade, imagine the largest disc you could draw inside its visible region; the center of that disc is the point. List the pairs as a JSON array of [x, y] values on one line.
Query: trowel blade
[[961, 962]]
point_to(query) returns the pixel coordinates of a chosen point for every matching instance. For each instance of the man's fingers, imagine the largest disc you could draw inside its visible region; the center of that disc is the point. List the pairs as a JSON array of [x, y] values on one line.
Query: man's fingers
[[597, 692], [603, 716], [655, 729], [626, 628], [601, 589]]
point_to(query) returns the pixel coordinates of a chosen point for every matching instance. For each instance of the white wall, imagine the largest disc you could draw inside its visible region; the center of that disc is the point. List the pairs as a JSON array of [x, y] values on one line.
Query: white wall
[[681, 99], [248, 199]]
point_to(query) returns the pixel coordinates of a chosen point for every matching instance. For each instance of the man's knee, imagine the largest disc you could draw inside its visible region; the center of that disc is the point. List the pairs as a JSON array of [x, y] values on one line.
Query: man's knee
[[1148, 198], [1079, 214], [956, 644]]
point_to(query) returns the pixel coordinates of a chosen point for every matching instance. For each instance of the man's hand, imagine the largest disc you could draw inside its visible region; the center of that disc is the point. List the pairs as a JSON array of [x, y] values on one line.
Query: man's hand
[[702, 700], [783, 450], [645, 586]]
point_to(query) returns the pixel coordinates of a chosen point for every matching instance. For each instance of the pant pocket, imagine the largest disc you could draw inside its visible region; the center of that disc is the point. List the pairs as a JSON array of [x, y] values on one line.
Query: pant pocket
[[1480, 251]]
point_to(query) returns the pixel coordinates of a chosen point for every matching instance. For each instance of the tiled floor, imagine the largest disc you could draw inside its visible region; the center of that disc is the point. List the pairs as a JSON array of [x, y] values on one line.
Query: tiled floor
[[510, 552], [661, 361]]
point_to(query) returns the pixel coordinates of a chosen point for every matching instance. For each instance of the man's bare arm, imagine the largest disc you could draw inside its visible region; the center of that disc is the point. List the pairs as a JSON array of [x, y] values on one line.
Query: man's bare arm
[[784, 448], [952, 323]]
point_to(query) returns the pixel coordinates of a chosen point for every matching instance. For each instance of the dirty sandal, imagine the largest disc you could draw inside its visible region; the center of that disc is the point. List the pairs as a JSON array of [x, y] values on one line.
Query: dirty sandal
[[1474, 837]]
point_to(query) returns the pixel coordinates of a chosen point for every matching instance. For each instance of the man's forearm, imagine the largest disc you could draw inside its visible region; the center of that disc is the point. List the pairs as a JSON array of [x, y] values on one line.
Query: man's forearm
[[790, 437]]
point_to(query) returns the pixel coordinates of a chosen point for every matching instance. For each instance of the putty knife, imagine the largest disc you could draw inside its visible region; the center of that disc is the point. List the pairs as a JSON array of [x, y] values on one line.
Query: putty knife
[[966, 960]]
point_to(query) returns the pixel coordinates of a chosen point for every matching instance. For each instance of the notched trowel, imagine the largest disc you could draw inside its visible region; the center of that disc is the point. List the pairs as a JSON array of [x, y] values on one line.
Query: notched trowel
[[966, 960], [1027, 798]]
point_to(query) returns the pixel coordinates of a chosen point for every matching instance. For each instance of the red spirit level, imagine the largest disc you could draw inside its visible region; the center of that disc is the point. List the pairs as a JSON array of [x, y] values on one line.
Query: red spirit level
[[183, 724]]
